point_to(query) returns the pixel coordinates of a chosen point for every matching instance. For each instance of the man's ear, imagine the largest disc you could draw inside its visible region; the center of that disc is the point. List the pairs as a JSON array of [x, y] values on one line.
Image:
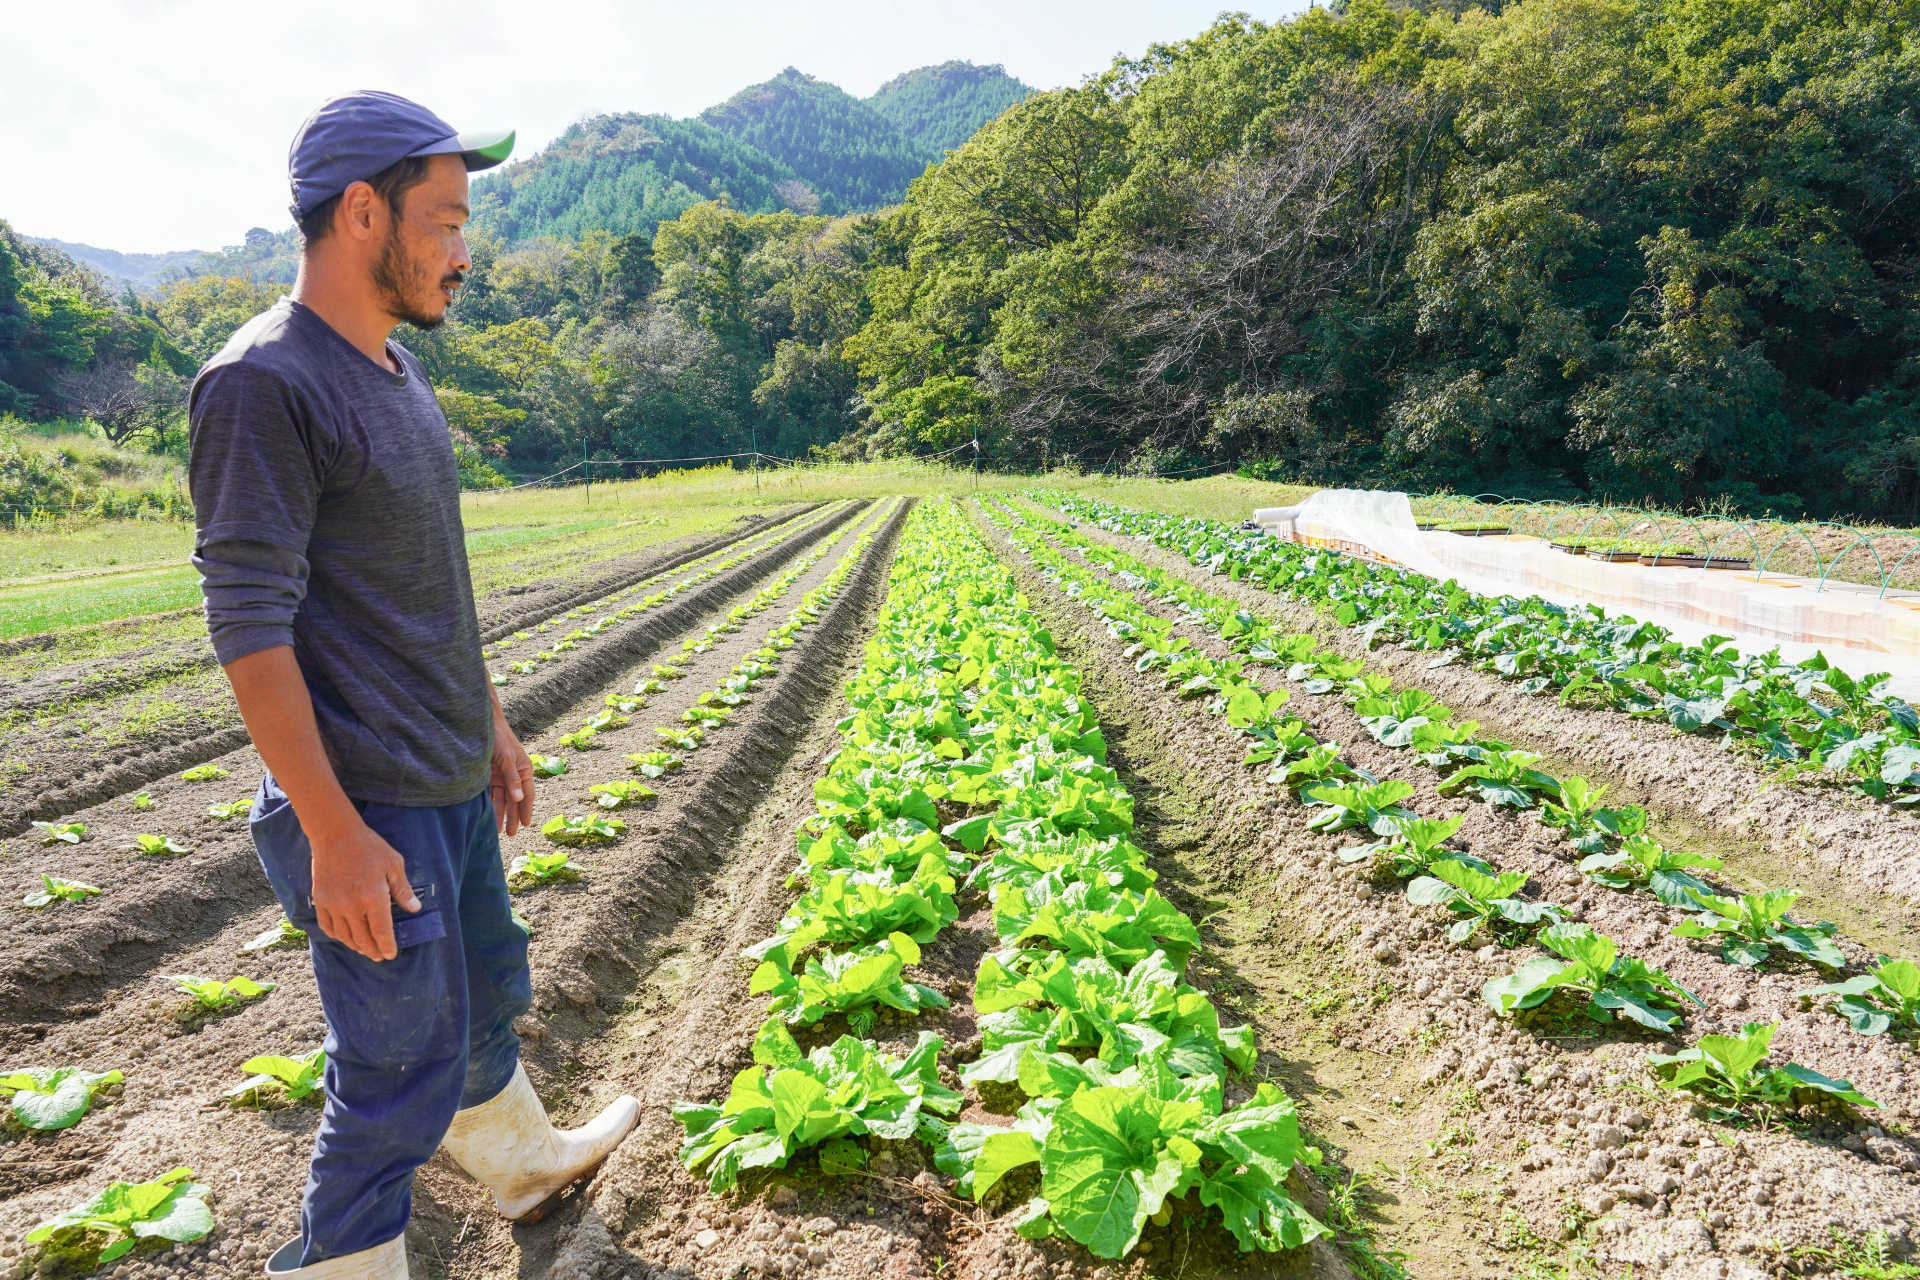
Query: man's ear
[[362, 213]]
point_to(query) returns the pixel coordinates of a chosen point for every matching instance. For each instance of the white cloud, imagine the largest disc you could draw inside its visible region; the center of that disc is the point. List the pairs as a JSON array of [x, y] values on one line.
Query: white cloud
[[157, 125]]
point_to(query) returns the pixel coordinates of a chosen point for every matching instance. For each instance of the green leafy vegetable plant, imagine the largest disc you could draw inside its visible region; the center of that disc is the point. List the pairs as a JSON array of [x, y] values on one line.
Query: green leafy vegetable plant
[[232, 809], [212, 994], [849, 982], [1592, 967], [171, 1207], [621, 793], [61, 832], [141, 801], [530, 869], [685, 739], [588, 829], [161, 846], [1505, 778], [625, 704], [654, 764], [1477, 895], [58, 890], [1728, 1068], [1317, 764], [548, 766], [788, 1101], [1375, 807], [205, 773], [1888, 996], [276, 1077], [578, 740], [54, 1097], [1588, 826], [1750, 926], [1413, 846], [281, 933], [1640, 862]]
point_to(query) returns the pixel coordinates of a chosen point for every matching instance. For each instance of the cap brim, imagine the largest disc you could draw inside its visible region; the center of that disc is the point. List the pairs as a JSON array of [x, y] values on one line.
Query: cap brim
[[481, 150]]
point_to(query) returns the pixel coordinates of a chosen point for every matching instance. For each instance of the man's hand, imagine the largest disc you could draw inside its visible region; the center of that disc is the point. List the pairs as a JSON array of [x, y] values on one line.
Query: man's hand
[[512, 783], [356, 876]]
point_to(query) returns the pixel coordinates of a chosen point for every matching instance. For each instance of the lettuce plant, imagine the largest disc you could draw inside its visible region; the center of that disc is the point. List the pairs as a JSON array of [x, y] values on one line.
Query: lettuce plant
[[789, 1101], [1479, 896], [848, 908], [61, 832], [277, 1077], [1728, 1068], [212, 994], [1640, 862], [171, 1207], [619, 794], [1593, 968], [205, 773], [1750, 926], [530, 869], [1114, 861], [53, 1097], [161, 846], [581, 832], [1889, 996], [1082, 918], [849, 982], [58, 890], [653, 764]]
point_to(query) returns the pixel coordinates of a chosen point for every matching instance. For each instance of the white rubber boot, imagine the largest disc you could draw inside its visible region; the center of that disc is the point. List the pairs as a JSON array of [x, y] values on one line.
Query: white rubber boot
[[382, 1262], [508, 1146]]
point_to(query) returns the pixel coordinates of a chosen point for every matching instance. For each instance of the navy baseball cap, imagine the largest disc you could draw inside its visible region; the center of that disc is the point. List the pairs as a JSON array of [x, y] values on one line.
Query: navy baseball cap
[[353, 137]]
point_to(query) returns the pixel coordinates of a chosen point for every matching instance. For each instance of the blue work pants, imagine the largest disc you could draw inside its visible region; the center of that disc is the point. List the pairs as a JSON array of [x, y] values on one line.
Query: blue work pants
[[409, 1040]]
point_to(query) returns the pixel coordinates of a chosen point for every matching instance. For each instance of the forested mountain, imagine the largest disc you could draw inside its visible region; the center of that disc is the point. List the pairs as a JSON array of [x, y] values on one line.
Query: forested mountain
[[848, 154], [938, 108], [141, 270]]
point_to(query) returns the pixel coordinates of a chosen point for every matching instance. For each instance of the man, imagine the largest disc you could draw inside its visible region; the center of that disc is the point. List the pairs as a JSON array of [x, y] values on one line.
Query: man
[[334, 567]]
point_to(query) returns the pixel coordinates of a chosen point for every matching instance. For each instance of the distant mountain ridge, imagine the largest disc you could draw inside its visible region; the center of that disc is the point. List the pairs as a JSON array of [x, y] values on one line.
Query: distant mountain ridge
[[142, 270], [792, 142]]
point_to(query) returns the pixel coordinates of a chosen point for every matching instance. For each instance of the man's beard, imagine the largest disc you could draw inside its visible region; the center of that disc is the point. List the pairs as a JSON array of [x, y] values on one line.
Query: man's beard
[[406, 289]]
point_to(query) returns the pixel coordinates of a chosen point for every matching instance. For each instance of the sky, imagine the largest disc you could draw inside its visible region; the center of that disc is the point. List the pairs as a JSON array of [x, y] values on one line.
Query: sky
[[164, 124]]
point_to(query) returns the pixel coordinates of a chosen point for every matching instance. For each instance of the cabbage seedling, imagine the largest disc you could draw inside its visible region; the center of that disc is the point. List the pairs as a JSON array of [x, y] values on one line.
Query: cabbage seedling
[[1728, 1068], [579, 740], [53, 1098], [602, 721], [524, 668], [588, 829], [1377, 807], [281, 933], [548, 766], [211, 993], [1593, 967], [654, 764], [58, 890], [664, 672], [205, 773], [1751, 926], [1478, 896], [142, 801], [1874, 1001], [530, 869], [61, 832], [169, 1208], [233, 809], [161, 846], [1414, 846], [1662, 870], [645, 686], [617, 795], [499, 680], [685, 739], [706, 715], [296, 1078], [625, 705]]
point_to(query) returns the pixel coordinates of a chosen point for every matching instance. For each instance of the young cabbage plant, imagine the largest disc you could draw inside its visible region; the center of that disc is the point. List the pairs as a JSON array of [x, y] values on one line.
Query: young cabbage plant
[[1889, 996], [58, 890], [1321, 763], [685, 739], [698, 715], [530, 869], [578, 740], [644, 686], [1393, 721], [1588, 826], [1504, 778], [620, 794], [141, 801], [49, 1098], [653, 764], [1641, 863], [606, 721], [1591, 967], [1377, 808], [205, 773], [171, 1207], [276, 1078], [624, 704], [1413, 846], [548, 766], [231, 809], [498, 680], [61, 832], [852, 982], [579, 833], [212, 994], [282, 934], [161, 846], [1749, 927], [1478, 896], [1728, 1069], [788, 1101], [666, 672], [525, 668]]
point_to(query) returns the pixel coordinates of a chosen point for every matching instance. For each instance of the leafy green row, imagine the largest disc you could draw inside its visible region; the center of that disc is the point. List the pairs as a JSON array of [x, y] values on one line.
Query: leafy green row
[[1590, 966], [1799, 718], [691, 575]]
